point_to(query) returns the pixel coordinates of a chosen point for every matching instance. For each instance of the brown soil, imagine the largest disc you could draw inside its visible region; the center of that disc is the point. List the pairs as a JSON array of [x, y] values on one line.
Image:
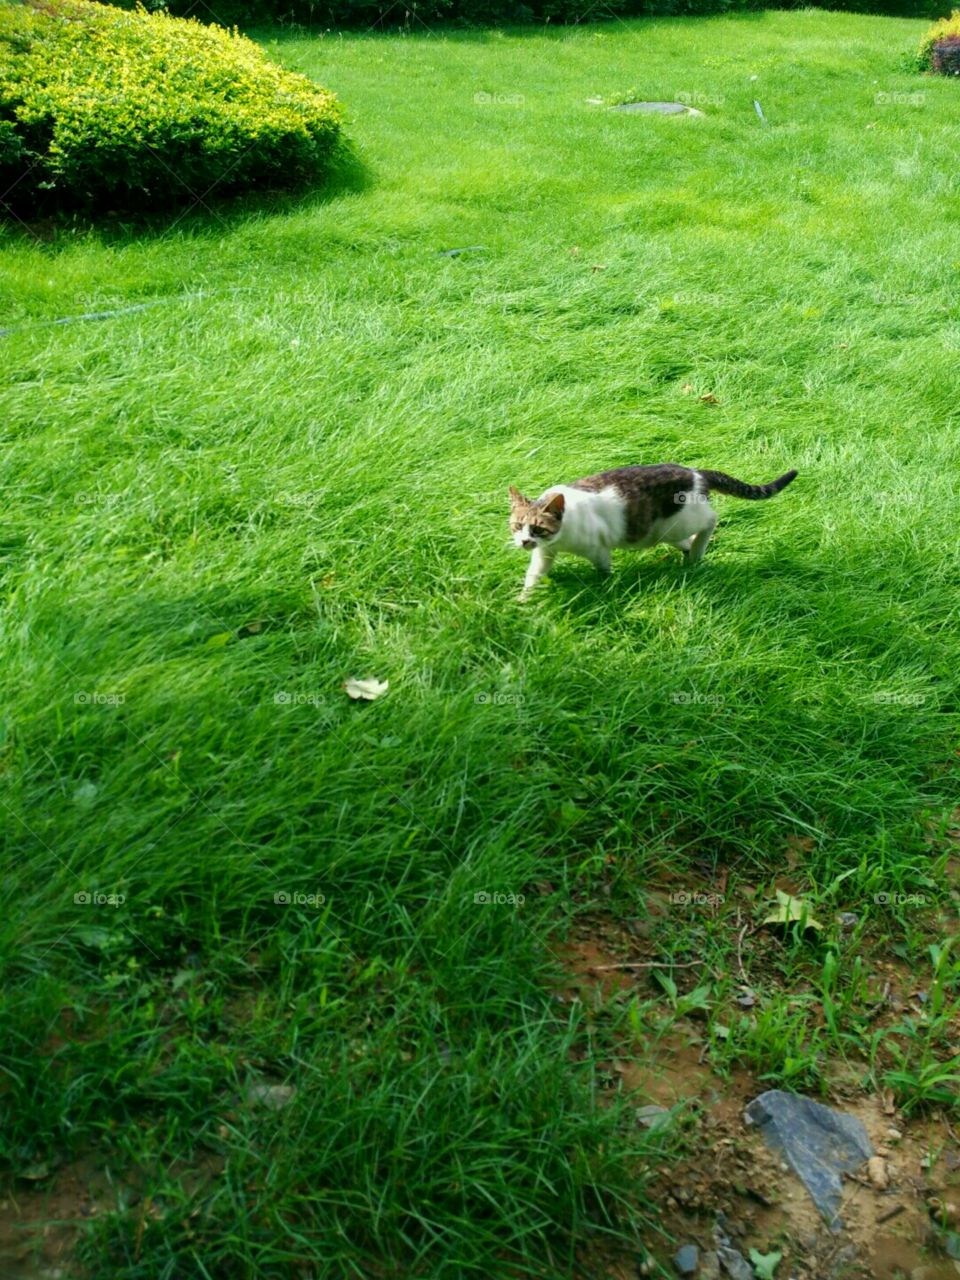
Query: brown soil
[[888, 1233]]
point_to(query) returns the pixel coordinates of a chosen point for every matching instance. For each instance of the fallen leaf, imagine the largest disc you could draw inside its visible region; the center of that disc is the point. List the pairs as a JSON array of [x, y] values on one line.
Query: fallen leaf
[[366, 690], [653, 1116], [789, 910], [709, 398], [598, 266], [218, 641], [687, 388]]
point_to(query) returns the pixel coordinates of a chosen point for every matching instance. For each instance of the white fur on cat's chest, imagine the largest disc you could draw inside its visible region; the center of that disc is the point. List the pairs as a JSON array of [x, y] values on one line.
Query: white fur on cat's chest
[[591, 521]]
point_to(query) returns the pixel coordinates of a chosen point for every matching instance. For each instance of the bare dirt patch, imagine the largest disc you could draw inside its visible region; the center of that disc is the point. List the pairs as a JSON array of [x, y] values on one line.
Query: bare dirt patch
[[891, 1209]]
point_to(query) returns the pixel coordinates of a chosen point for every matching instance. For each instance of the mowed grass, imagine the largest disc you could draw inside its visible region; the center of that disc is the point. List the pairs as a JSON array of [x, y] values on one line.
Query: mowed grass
[[292, 470]]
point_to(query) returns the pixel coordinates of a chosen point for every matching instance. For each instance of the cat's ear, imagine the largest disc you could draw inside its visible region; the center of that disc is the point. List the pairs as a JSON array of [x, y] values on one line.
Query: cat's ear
[[554, 506], [515, 495]]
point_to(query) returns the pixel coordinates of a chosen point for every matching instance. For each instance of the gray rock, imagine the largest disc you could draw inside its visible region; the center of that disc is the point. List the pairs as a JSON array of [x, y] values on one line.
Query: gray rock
[[709, 1267], [686, 1259], [734, 1264], [848, 919], [455, 253], [819, 1143]]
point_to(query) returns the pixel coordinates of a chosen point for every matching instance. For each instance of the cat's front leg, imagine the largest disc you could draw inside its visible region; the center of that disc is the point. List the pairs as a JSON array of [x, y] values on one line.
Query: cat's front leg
[[541, 562], [601, 560]]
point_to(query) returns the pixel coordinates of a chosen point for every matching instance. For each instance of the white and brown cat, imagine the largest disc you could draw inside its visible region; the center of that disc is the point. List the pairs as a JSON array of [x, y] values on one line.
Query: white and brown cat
[[628, 507]]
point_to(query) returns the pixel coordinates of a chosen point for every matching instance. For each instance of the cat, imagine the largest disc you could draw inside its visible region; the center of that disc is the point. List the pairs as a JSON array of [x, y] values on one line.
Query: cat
[[627, 507]]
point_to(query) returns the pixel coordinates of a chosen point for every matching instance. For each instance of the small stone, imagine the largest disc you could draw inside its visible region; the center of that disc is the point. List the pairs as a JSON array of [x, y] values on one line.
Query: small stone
[[877, 1172], [709, 1267], [734, 1264], [686, 1259], [894, 1135], [848, 919]]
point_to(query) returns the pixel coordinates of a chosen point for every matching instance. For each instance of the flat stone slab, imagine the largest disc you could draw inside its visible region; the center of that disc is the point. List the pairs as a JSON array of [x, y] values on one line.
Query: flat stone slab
[[819, 1143], [659, 108]]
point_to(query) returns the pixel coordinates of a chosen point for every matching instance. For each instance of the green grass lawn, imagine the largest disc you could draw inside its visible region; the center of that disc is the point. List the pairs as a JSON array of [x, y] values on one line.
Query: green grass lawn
[[292, 470]]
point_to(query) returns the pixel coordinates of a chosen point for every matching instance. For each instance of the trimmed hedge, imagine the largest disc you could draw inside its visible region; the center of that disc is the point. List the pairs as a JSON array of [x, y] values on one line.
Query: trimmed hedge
[[940, 47], [100, 105]]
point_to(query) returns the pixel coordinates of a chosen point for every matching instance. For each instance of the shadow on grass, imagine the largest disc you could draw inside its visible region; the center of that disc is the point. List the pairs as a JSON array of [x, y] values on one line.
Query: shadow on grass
[[198, 215], [407, 26]]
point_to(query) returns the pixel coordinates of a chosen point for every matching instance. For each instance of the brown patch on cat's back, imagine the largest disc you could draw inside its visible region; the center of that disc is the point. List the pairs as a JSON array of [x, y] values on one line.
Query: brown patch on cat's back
[[650, 493]]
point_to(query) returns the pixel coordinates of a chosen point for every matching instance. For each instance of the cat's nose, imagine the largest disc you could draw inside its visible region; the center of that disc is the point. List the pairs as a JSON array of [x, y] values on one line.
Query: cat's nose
[[528, 544]]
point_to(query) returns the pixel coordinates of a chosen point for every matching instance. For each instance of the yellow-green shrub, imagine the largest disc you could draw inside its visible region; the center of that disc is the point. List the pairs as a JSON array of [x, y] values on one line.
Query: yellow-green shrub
[[946, 31], [103, 104]]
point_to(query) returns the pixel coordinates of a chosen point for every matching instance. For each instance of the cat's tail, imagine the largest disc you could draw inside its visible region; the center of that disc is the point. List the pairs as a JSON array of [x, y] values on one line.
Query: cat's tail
[[722, 483]]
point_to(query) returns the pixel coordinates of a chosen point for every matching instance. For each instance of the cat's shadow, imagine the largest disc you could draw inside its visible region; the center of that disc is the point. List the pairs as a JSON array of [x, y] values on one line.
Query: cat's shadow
[[579, 588]]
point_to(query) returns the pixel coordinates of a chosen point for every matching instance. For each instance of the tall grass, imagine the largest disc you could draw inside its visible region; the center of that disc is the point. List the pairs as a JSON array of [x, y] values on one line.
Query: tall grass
[[292, 470]]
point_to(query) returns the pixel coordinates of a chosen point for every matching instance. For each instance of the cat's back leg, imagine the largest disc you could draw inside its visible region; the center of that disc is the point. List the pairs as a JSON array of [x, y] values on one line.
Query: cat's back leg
[[699, 541]]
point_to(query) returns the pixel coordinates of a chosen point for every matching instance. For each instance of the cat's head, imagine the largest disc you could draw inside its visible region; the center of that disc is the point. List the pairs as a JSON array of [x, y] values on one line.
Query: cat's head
[[534, 522]]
